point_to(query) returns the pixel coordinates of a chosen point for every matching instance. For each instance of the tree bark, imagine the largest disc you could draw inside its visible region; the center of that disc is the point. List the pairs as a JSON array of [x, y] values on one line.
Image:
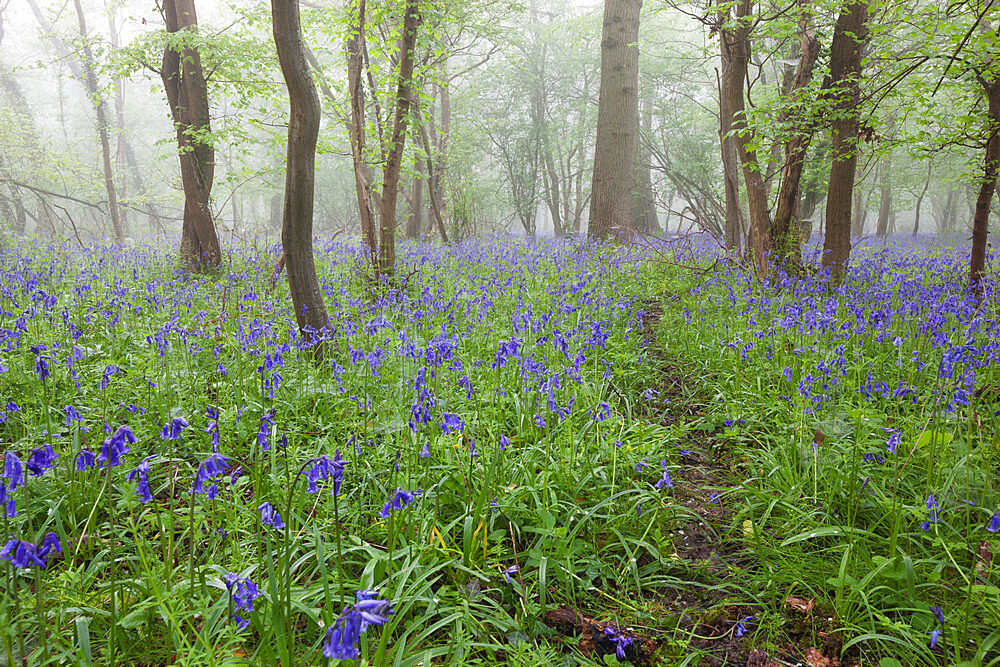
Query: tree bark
[[90, 81], [187, 94], [394, 155], [981, 219], [849, 38], [362, 175], [730, 159], [885, 196], [416, 220], [617, 120], [300, 175], [785, 230], [737, 41]]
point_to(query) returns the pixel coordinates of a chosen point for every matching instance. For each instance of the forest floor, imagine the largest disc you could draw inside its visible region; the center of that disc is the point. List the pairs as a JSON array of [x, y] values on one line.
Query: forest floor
[[527, 453]]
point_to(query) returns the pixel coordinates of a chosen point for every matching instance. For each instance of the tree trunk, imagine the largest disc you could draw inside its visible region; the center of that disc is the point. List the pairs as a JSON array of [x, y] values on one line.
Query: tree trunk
[[362, 175], [394, 155], [981, 220], [920, 198], [187, 94], [737, 41], [121, 143], [643, 200], [416, 220], [730, 159], [300, 175], [849, 38], [93, 91], [617, 116], [785, 230], [885, 199]]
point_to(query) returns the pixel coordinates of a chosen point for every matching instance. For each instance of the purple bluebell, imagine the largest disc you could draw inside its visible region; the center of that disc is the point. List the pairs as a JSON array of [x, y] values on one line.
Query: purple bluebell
[[141, 474], [72, 415], [116, 446], [266, 422], [400, 499], [513, 569], [504, 443], [243, 592], [41, 459], [211, 467], [934, 515], [620, 641], [270, 517], [323, 469], [7, 502], [173, 430], [741, 625], [994, 524], [664, 481], [13, 470], [342, 637], [85, 460]]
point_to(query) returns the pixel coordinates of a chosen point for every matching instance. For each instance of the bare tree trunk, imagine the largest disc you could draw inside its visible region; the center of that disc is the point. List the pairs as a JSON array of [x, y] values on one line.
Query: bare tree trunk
[[362, 176], [849, 38], [435, 208], [416, 220], [981, 220], [785, 232], [737, 41], [187, 94], [300, 176], [859, 215], [920, 198], [617, 120], [90, 81], [643, 200], [730, 157], [885, 196], [394, 156]]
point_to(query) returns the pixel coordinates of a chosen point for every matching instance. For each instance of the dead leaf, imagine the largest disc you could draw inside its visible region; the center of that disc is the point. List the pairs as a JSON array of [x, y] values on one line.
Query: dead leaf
[[816, 659], [800, 605], [759, 658]]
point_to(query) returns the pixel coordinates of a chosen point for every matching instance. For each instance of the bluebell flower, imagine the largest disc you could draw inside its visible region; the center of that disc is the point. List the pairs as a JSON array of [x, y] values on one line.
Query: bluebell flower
[[13, 470], [400, 499], [266, 422], [937, 632], [211, 467], [642, 465], [342, 638], [665, 480], [41, 459], [243, 592], [602, 411], [994, 525], [213, 426], [323, 469], [270, 517], [173, 430], [650, 394], [513, 569], [116, 446], [741, 625], [932, 507], [85, 460], [451, 423], [7, 502], [21, 554], [72, 415], [621, 642], [141, 473], [42, 366], [425, 453], [893, 441], [504, 443], [539, 421]]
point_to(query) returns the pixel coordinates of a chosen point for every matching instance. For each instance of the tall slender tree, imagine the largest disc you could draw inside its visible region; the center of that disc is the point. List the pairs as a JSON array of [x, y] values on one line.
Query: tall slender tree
[[300, 174], [187, 94], [617, 122], [100, 110], [849, 38]]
